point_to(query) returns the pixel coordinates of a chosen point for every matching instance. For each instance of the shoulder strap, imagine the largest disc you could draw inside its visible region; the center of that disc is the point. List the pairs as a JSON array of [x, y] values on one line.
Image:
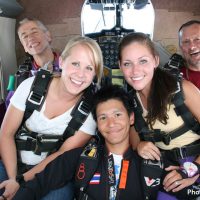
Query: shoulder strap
[[24, 71], [80, 112], [182, 110], [37, 93], [140, 124]]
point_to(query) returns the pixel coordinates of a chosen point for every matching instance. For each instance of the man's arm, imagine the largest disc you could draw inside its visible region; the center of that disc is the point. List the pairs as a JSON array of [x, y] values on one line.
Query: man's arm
[[55, 175]]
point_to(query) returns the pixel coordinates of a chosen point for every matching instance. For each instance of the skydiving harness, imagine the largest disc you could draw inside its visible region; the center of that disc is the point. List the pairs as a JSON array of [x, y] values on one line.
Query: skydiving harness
[[87, 165], [37, 142], [157, 135]]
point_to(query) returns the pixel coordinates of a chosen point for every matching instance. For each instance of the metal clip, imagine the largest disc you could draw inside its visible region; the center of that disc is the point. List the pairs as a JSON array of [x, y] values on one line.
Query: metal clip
[[33, 101], [82, 108]]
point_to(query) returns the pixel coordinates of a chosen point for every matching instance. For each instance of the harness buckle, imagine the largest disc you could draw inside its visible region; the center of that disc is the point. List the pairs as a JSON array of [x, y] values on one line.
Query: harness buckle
[[37, 147], [83, 108], [35, 98], [166, 139]]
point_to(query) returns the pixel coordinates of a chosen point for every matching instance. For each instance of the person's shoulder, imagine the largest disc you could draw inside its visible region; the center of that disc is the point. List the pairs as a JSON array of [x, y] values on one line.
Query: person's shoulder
[[26, 84], [188, 86]]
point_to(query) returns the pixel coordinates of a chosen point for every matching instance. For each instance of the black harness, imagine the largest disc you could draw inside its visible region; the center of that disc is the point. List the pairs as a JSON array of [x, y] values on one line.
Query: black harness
[[87, 165], [37, 142], [157, 135]]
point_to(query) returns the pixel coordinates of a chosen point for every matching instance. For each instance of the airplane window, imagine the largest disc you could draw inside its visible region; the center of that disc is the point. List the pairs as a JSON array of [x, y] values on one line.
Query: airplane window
[[102, 15], [107, 21]]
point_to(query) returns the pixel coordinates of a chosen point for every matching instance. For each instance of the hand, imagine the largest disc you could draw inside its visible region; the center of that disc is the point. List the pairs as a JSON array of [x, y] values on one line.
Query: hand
[[174, 182], [11, 187], [148, 150]]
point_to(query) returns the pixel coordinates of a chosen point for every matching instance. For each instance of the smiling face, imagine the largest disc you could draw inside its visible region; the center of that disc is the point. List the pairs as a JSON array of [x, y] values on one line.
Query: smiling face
[[114, 123], [138, 64], [33, 38], [78, 69], [190, 45]]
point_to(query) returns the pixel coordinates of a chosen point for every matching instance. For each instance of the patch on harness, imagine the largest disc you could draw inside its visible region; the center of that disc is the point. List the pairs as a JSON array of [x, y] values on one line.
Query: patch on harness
[[95, 179]]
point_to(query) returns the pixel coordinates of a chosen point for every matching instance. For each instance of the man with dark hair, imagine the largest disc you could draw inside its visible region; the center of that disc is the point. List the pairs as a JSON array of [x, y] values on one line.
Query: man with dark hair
[[113, 168], [189, 42]]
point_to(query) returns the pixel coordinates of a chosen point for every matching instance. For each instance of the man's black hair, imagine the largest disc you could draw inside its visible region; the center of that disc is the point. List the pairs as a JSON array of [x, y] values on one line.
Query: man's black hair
[[189, 23], [112, 92]]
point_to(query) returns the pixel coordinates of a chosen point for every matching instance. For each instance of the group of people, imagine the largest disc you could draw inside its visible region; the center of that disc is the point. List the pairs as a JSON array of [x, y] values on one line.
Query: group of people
[[149, 136]]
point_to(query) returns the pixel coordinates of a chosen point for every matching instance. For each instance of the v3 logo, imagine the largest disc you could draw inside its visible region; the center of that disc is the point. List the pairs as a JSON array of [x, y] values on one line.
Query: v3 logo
[[152, 182]]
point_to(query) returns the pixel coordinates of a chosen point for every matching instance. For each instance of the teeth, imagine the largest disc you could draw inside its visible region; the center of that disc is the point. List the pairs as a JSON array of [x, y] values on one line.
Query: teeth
[[76, 82], [137, 78], [194, 53], [34, 45]]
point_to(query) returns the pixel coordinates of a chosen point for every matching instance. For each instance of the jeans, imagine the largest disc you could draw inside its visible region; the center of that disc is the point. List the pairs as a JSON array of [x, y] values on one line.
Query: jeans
[[3, 175], [66, 192]]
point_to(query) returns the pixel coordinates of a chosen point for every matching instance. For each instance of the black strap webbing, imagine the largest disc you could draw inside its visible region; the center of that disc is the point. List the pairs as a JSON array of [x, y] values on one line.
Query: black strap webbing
[[183, 152], [140, 124], [80, 113], [182, 110], [88, 164], [38, 92]]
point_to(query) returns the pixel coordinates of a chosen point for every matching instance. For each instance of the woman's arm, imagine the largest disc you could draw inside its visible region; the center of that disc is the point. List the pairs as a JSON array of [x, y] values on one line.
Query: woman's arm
[[192, 98], [10, 125], [145, 149], [78, 140], [192, 101], [134, 138]]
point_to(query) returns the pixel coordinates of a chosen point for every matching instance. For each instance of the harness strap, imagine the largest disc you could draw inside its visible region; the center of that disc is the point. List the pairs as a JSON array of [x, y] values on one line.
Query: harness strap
[[80, 113], [88, 163], [37, 147], [182, 152], [182, 110], [37, 142], [157, 135], [140, 124], [38, 92]]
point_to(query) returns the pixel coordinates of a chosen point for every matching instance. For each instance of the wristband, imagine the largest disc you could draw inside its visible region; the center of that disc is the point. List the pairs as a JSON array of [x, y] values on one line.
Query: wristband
[[190, 169]]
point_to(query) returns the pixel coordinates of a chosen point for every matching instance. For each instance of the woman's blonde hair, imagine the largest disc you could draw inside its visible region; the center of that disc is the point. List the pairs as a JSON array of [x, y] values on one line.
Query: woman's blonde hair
[[95, 49]]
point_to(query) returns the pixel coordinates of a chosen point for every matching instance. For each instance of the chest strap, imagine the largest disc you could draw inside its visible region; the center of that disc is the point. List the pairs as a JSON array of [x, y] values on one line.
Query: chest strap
[[37, 142], [183, 152]]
